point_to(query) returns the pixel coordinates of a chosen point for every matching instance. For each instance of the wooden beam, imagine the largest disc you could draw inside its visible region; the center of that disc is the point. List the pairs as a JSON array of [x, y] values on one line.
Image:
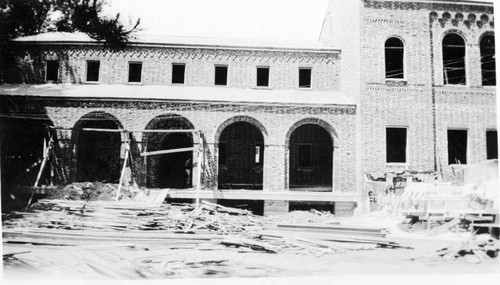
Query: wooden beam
[[262, 195], [167, 151], [136, 131]]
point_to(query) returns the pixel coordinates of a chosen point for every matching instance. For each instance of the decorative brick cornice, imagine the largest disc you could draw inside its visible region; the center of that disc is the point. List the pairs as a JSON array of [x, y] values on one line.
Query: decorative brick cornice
[[393, 21], [416, 5], [467, 91], [40, 103], [222, 55], [459, 19], [385, 88]]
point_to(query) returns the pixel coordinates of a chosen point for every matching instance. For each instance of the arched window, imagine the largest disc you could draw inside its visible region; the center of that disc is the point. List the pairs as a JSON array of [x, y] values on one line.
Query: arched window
[[488, 65], [454, 59], [394, 57]]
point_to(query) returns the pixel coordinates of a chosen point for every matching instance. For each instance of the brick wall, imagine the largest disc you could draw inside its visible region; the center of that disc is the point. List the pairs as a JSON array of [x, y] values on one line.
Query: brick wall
[[410, 102], [200, 65]]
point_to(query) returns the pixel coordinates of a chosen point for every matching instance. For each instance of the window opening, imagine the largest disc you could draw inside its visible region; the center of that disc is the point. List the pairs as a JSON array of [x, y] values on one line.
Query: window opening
[[305, 155], [305, 78], [93, 71], [221, 75], [134, 72], [394, 57], [52, 71], [488, 64], [457, 147], [178, 73], [396, 145], [491, 144], [454, 59], [262, 76]]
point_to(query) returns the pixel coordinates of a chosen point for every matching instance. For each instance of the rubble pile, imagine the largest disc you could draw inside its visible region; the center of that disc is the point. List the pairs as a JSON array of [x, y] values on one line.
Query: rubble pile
[[477, 249]]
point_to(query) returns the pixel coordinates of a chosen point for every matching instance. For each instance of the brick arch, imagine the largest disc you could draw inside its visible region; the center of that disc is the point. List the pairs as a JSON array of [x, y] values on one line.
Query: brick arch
[[170, 171], [186, 124], [247, 119], [315, 121], [335, 146], [484, 34], [454, 31], [97, 155], [94, 115]]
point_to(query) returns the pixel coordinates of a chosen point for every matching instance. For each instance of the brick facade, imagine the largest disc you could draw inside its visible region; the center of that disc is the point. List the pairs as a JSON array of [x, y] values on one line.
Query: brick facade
[[420, 102]]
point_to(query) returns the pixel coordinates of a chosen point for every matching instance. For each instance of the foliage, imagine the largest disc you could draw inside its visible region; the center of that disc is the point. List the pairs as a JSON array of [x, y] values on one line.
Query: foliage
[[31, 17]]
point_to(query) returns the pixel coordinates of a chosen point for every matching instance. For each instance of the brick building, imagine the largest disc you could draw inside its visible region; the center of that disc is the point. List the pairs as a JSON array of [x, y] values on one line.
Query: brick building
[[389, 86]]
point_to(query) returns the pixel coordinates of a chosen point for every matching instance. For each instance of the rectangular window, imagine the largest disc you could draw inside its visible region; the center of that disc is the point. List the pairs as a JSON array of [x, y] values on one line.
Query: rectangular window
[[262, 76], [178, 71], [221, 75], [491, 144], [222, 153], [93, 71], [52, 71], [457, 147], [259, 154], [305, 78], [305, 154], [134, 72], [395, 145]]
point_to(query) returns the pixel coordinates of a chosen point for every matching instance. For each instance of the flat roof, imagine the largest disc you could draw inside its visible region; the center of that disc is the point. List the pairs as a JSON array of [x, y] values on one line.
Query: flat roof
[[253, 96], [179, 41]]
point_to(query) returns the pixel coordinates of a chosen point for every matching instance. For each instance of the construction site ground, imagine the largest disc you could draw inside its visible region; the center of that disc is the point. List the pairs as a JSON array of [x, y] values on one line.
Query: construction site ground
[[213, 262], [75, 235]]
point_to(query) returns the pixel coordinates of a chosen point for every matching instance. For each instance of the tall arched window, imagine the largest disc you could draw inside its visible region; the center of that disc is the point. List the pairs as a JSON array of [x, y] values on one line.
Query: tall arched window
[[454, 59], [488, 65], [394, 57]]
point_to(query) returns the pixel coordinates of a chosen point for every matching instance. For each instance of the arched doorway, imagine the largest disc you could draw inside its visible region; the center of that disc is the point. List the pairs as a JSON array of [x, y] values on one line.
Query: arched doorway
[[173, 170], [241, 157], [310, 158], [98, 153]]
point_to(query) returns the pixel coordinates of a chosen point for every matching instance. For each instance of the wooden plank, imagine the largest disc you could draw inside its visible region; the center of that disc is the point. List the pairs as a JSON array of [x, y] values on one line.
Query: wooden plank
[[262, 195], [167, 151], [135, 131], [331, 227]]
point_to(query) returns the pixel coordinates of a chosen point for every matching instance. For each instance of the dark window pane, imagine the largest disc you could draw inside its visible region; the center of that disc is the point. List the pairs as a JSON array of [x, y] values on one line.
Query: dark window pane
[[178, 71], [454, 59], [134, 72], [394, 56], [491, 144], [305, 155], [396, 145], [305, 78], [263, 76], [221, 75], [488, 63], [457, 147], [222, 153], [52, 70], [93, 70]]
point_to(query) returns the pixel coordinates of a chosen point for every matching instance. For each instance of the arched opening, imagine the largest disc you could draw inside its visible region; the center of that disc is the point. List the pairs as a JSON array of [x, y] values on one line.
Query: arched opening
[[454, 59], [394, 58], [310, 158], [241, 157], [98, 153], [173, 170], [488, 64]]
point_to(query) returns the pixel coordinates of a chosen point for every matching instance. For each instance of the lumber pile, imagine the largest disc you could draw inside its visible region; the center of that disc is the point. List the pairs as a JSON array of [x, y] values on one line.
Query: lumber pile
[[145, 225], [476, 249]]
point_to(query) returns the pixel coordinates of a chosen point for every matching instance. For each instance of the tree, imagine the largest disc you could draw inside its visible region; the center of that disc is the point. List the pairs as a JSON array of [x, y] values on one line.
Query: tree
[[20, 18], [31, 17]]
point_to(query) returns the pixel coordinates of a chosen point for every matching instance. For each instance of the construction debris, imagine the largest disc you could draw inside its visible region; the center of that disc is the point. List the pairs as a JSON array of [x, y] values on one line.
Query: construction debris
[[476, 249]]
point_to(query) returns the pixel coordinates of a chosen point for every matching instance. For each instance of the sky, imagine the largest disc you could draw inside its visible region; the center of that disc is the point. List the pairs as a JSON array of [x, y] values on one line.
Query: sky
[[258, 19]]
